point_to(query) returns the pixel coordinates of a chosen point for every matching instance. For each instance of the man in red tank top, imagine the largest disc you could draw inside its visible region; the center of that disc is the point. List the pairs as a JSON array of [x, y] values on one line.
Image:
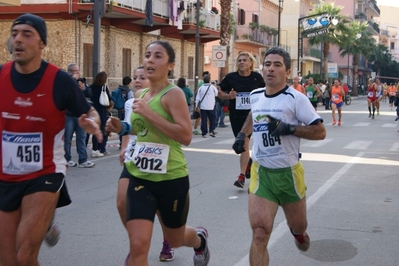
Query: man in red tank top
[[35, 95], [371, 97]]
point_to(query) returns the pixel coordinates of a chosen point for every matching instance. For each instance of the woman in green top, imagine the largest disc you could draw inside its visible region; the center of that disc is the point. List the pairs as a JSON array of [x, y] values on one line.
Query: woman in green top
[[158, 171]]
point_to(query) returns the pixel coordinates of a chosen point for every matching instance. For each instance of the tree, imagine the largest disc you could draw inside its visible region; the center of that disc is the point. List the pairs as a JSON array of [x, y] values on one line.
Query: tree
[[333, 31], [356, 40], [380, 57], [225, 32]]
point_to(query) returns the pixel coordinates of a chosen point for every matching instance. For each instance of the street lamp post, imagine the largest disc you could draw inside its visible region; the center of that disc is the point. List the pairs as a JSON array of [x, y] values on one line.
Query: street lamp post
[[280, 5]]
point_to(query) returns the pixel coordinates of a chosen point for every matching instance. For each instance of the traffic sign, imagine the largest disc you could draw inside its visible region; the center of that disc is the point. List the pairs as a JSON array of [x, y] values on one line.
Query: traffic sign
[[219, 63], [219, 53]]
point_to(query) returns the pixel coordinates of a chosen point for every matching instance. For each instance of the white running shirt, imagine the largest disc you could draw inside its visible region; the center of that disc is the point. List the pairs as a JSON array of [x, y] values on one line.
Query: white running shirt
[[291, 107]]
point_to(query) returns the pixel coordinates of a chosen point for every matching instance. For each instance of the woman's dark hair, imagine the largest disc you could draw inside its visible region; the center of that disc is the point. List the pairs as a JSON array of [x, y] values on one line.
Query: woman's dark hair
[[100, 79], [181, 82], [169, 49]]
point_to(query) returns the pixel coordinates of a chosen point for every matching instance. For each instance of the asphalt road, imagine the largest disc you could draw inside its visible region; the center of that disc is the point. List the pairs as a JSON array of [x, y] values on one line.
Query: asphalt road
[[352, 198]]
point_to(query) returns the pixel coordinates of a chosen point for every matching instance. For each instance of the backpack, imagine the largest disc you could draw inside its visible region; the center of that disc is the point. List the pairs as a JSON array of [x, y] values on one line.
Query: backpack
[[117, 98]]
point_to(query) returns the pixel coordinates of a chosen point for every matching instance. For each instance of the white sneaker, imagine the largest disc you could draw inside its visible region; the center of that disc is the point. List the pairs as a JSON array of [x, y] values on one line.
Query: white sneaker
[[106, 153], [52, 236], [71, 163], [96, 154], [87, 164]]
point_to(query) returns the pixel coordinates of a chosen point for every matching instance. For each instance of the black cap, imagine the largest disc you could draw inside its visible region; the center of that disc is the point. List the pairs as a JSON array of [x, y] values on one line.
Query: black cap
[[34, 21]]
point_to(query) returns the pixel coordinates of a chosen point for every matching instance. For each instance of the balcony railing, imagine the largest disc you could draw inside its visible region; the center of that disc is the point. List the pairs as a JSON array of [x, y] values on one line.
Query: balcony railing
[[374, 6], [161, 8], [207, 19], [361, 16], [244, 32], [374, 26]]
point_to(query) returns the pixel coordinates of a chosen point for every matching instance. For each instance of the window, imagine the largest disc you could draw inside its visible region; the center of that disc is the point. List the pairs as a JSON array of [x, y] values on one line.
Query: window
[[392, 46], [126, 62], [255, 18], [190, 69], [88, 60], [241, 17]]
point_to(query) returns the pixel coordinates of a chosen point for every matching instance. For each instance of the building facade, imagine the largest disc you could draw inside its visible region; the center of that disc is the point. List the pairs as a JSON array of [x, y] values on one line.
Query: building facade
[[254, 31], [389, 24], [124, 34]]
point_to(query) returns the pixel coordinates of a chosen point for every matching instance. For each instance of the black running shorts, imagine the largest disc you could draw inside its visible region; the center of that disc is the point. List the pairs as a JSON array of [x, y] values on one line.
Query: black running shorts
[[12, 193], [170, 197], [237, 120]]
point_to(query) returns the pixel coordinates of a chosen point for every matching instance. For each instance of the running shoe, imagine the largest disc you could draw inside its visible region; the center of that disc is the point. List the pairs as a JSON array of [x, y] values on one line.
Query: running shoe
[[339, 122], [87, 164], [106, 153], [212, 134], [53, 235], [248, 170], [196, 132], [240, 181], [202, 258], [372, 117], [302, 242], [369, 115], [334, 122], [167, 253], [71, 163], [96, 154]]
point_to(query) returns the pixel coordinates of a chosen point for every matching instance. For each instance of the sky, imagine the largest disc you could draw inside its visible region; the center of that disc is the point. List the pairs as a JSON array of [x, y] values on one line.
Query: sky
[[394, 3]]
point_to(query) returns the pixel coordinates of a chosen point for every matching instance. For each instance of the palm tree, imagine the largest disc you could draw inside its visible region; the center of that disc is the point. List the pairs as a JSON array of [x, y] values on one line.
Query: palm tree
[[356, 40], [333, 31], [225, 32], [380, 57]]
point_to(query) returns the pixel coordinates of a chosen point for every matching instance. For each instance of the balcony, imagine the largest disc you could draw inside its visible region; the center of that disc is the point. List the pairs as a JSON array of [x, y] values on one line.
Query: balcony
[[207, 19], [373, 27], [255, 36], [361, 16], [369, 7], [125, 14], [133, 12]]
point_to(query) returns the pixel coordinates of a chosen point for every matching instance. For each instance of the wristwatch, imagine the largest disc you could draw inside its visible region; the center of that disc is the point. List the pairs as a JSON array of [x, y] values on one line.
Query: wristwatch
[[292, 129]]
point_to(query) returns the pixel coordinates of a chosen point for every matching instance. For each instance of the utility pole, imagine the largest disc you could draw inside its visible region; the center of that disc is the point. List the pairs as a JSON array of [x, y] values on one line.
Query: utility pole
[[99, 12]]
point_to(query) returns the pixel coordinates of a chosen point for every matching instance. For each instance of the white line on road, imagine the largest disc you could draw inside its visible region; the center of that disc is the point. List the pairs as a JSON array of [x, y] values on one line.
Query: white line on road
[[395, 147], [358, 145], [282, 228], [316, 144]]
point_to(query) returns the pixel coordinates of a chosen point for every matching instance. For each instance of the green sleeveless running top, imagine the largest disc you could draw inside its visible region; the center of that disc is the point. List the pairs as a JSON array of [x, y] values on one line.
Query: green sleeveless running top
[[311, 92], [176, 166]]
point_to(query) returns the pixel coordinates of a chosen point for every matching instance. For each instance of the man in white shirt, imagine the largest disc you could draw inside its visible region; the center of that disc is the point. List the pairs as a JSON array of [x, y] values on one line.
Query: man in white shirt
[[205, 101]]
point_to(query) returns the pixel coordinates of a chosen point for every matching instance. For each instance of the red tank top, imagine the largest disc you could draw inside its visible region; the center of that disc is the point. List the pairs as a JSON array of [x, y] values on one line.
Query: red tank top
[[371, 93], [32, 129]]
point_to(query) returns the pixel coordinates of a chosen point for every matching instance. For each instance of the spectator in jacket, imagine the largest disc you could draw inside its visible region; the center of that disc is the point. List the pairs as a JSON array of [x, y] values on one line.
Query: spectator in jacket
[[99, 149]]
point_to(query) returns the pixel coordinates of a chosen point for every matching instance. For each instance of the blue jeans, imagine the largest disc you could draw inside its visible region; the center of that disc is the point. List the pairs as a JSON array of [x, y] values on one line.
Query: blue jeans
[[205, 115], [71, 125], [219, 115]]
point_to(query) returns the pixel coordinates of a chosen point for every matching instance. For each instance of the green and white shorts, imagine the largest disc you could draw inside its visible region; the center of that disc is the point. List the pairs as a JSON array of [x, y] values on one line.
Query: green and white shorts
[[283, 185]]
